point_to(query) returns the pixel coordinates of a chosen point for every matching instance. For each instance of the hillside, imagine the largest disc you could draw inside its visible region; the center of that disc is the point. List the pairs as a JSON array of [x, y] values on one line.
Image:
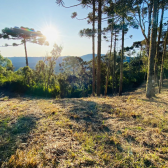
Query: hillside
[[19, 62], [128, 131]]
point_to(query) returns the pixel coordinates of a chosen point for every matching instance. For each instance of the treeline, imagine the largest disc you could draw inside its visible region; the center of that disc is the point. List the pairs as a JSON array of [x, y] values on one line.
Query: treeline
[[75, 77], [108, 74], [121, 15]]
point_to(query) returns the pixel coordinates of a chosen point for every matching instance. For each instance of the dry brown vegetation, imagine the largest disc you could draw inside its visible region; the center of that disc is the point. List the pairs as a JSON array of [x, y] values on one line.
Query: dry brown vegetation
[[128, 131]]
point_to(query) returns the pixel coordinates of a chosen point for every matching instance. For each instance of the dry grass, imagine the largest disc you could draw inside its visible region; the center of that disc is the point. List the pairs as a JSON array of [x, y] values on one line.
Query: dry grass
[[128, 131]]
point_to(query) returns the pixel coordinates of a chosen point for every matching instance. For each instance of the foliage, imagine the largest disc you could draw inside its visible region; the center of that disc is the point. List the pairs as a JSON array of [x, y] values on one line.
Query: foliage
[[23, 33], [74, 79], [5, 63]]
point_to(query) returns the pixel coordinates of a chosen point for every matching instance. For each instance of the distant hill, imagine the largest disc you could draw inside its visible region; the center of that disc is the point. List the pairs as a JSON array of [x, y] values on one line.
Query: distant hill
[[88, 57], [19, 62]]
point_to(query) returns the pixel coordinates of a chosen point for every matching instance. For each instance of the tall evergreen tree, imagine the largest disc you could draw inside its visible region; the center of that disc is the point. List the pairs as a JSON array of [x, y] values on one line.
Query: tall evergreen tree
[[163, 56], [93, 48], [87, 32], [122, 8], [150, 92], [162, 5], [99, 47], [26, 35]]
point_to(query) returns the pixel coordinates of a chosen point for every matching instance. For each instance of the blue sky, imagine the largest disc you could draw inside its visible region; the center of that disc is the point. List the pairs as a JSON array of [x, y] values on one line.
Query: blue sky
[[38, 14]]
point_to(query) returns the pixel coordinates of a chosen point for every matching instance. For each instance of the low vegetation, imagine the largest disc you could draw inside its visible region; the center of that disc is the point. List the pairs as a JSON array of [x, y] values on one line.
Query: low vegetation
[[74, 79]]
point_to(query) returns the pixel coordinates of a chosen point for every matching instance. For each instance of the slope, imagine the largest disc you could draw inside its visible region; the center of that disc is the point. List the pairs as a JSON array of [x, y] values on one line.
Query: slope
[[128, 131]]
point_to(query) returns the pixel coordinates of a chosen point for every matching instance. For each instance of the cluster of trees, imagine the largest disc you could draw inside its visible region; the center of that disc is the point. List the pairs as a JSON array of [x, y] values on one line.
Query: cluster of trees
[[121, 15], [75, 76], [107, 74], [73, 80]]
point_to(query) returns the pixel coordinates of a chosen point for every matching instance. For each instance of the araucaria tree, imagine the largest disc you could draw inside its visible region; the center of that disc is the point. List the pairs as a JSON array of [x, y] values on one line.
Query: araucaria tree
[[150, 92], [25, 35], [122, 10], [90, 33]]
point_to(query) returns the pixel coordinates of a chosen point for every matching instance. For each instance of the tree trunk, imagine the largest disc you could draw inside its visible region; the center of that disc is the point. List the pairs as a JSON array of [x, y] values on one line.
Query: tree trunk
[[25, 52], [114, 64], [108, 67], [121, 63], [140, 56], [163, 55], [99, 48], [150, 90], [149, 26], [157, 48], [93, 50]]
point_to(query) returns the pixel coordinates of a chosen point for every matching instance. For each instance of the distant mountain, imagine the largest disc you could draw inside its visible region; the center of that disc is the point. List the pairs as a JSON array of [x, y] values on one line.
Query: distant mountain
[[19, 62], [88, 57]]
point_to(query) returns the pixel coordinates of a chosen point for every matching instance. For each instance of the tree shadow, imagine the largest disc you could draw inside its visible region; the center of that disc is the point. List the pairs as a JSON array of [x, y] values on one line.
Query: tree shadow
[[155, 100], [87, 114], [12, 134], [21, 96]]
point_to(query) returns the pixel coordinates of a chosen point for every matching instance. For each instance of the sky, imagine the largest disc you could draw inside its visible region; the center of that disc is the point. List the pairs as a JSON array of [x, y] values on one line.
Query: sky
[[40, 14]]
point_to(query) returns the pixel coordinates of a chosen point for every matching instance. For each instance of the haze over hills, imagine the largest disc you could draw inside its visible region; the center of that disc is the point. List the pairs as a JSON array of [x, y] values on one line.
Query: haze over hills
[[19, 62]]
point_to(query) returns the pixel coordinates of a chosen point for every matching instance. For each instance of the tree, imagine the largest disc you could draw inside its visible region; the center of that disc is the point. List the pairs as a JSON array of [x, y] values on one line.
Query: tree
[[163, 55], [122, 8], [44, 70], [150, 92], [99, 47], [87, 32], [51, 62], [100, 4], [28, 75], [142, 10], [85, 3], [90, 33], [6, 63], [72, 65], [121, 63], [93, 49], [110, 10], [25, 35], [111, 26], [40, 73], [114, 59], [162, 5], [75, 70], [109, 56]]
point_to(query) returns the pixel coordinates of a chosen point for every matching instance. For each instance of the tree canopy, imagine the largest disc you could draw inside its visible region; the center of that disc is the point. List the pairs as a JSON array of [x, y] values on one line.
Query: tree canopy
[[25, 35]]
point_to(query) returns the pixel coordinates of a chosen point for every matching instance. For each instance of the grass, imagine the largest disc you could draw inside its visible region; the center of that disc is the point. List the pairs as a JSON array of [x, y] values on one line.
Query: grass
[[128, 131]]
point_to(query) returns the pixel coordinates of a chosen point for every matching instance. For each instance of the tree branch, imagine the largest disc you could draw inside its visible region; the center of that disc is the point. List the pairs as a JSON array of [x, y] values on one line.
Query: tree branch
[[60, 2]]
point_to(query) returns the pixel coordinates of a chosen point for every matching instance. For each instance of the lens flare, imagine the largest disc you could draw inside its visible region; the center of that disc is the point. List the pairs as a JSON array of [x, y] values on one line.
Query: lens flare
[[51, 33]]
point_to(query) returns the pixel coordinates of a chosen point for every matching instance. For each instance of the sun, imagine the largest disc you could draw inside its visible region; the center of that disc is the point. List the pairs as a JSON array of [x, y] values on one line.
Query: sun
[[51, 33]]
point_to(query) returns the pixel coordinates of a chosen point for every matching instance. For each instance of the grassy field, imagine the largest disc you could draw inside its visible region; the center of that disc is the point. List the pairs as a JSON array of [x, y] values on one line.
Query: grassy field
[[128, 131]]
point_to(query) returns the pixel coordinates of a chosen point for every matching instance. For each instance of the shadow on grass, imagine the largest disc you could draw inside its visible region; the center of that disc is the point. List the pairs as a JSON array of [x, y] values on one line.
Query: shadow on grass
[[155, 100], [10, 95], [90, 128], [86, 113], [13, 134]]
